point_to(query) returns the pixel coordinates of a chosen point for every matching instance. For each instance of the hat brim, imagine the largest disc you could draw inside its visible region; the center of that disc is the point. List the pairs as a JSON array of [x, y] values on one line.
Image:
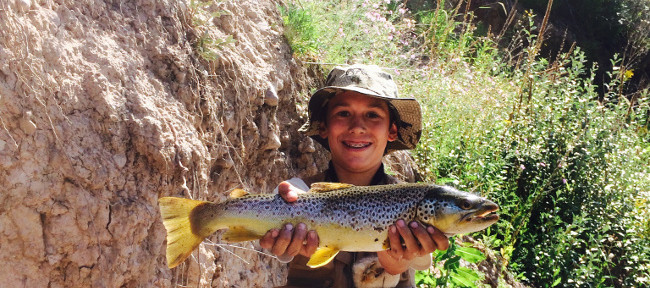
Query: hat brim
[[409, 114]]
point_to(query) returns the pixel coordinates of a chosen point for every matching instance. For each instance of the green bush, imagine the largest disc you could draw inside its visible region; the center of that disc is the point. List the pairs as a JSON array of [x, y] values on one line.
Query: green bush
[[574, 164], [570, 173]]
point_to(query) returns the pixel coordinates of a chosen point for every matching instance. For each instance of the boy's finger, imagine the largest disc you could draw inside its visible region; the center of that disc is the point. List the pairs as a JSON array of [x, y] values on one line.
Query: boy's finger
[[283, 240], [268, 239], [412, 246], [441, 241], [311, 244], [426, 243], [396, 248], [297, 241]]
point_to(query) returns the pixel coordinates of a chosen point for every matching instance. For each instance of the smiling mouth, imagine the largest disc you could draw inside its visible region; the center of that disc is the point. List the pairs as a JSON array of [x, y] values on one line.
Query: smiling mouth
[[356, 145]]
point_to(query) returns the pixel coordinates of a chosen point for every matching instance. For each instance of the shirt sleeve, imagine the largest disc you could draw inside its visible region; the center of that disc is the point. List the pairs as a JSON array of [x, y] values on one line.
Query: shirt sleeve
[[422, 262], [296, 182]]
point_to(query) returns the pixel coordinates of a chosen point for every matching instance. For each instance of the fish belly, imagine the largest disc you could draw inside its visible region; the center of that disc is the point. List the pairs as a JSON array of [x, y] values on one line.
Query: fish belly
[[251, 227], [352, 240]]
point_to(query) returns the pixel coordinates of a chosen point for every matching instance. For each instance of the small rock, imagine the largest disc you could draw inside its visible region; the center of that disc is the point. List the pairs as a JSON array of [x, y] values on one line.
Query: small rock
[[273, 142], [285, 138], [84, 272], [26, 123], [229, 121], [307, 146], [120, 160], [180, 76], [271, 96], [225, 163], [311, 170], [305, 160], [53, 259]]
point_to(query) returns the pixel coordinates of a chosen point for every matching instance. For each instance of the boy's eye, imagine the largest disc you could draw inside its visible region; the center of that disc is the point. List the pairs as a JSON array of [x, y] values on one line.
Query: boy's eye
[[343, 113], [372, 115]]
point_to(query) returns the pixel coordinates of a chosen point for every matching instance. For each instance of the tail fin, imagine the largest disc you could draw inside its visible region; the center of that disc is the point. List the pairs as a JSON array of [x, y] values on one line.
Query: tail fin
[[181, 241]]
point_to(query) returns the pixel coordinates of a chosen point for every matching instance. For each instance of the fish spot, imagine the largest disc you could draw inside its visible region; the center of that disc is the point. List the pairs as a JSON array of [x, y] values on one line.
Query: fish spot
[[376, 239]]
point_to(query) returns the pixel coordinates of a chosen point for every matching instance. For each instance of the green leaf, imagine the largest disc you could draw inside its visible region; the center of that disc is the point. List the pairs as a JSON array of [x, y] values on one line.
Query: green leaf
[[470, 254], [452, 263], [464, 277], [424, 277], [556, 282]]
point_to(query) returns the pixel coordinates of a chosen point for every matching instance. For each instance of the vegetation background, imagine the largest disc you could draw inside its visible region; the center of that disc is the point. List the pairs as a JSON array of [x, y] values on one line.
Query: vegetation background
[[544, 109]]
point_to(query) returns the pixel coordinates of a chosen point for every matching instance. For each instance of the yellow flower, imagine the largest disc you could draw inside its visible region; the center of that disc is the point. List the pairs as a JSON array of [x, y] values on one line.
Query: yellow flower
[[628, 74]]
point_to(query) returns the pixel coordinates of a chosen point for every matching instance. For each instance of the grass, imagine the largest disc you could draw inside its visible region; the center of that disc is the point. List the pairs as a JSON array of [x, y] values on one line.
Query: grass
[[570, 173]]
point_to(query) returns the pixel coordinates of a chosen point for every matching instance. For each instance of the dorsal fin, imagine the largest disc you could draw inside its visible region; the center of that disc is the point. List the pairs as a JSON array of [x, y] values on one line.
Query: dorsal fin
[[328, 186], [237, 193]]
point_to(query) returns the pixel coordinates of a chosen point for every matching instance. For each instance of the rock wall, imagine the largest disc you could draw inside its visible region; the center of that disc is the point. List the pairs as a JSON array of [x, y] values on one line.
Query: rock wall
[[105, 106]]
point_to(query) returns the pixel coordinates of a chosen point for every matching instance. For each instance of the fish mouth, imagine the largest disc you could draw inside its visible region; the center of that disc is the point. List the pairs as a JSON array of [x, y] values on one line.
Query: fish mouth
[[484, 214], [487, 216]]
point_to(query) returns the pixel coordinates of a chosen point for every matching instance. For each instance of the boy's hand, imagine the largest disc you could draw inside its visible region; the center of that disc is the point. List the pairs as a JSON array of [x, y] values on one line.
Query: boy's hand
[[418, 241], [290, 241]]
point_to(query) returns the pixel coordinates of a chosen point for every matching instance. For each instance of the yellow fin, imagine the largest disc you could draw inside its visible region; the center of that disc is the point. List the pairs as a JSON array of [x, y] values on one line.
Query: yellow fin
[[322, 256], [181, 241], [238, 193], [328, 186], [240, 234]]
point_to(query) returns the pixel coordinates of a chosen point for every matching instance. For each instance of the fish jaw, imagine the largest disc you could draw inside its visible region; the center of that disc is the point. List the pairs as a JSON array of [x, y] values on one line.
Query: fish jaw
[[481, 218]]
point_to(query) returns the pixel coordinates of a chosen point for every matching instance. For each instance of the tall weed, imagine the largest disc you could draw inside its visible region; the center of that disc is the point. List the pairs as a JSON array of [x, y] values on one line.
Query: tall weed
[[300, 30]]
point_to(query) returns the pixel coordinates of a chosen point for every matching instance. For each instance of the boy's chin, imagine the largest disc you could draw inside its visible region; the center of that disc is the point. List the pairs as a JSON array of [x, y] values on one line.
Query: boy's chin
[[356, 164]]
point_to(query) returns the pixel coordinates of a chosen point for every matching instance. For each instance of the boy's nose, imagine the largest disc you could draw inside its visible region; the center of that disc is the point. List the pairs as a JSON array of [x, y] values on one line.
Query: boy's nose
[[357, 125]]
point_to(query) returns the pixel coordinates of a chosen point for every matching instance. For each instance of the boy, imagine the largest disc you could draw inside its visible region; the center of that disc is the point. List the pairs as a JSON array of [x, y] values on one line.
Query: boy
[[358, 118]]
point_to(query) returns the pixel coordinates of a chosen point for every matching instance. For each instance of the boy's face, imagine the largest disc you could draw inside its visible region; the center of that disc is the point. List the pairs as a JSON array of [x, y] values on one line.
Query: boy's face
[[358, 129]]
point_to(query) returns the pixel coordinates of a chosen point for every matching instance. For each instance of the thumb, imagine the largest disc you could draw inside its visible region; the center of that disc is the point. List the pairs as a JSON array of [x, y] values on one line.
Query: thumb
[[288, 192]]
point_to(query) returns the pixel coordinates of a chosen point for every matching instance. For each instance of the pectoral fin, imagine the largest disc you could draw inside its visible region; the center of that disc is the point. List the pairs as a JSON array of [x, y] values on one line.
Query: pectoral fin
[[322, 256], [240, 234]]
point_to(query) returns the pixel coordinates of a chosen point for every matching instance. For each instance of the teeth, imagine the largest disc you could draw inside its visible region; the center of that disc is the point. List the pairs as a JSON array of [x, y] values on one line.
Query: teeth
[[484, 214], [357, 145]]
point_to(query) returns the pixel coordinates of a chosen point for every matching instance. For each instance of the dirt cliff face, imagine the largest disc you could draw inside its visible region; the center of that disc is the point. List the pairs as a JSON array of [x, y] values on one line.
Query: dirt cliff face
[[106, 106]]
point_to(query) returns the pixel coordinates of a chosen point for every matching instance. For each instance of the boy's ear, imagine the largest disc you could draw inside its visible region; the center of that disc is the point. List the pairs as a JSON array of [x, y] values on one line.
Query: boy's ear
[[392, 133], [322, 130]]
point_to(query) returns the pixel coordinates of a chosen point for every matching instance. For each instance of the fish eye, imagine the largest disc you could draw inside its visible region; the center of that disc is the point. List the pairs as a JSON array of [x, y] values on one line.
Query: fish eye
[[465, 204]]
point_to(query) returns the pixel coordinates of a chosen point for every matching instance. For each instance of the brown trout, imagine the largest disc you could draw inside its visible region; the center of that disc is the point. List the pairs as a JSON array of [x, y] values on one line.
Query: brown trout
[[346, 217]]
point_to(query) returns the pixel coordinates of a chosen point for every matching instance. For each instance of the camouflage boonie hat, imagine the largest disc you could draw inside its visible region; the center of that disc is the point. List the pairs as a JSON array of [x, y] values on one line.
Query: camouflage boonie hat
[[371, 81]]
